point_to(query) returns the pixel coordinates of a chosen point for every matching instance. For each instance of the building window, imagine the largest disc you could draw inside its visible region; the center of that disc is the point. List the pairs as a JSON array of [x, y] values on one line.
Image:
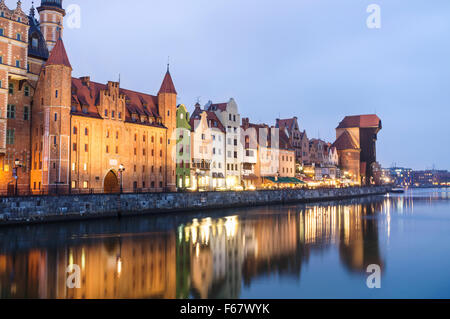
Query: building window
[[11, 88], [27, 90], [2, 32], [74, 147], [85, 184], [56, 93], [86, 131], [10, 135], [11, 111], [74, 184], [19, 37], [17, 63], [107, 149], [34, 42], [26, 113], [75, 130], [86, 147], [56, 117], [117, 149], [106, 113], [120, 115], [113, 114]]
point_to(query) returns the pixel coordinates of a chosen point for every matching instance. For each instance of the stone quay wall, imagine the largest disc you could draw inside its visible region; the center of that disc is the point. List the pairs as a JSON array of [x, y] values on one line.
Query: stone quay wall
[[38, 209]]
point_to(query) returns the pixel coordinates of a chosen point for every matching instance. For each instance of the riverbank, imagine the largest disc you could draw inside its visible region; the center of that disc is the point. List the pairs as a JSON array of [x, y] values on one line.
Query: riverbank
[[41, 209]]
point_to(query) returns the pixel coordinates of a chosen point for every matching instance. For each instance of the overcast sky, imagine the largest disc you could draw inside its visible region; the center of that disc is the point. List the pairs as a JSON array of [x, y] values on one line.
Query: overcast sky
[[314, 59]]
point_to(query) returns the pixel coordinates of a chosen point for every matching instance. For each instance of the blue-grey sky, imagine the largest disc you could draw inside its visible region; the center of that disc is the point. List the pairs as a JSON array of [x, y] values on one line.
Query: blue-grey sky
[[314, 59]]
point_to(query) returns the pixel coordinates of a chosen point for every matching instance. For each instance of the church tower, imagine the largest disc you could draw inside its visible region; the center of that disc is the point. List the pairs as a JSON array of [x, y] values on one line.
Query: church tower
[[51, 15], [51, 128], [167, 104]]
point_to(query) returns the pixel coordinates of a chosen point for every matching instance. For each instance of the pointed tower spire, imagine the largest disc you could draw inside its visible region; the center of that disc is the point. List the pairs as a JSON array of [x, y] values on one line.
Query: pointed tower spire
[[32, 10], [167, 85], [58, 56]]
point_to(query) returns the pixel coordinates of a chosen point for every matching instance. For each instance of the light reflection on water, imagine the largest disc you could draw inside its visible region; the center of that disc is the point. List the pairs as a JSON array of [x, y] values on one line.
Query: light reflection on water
[[295, 251]]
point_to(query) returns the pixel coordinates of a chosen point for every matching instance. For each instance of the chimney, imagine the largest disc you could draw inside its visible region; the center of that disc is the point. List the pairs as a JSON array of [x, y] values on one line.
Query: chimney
[[245, 121], [86, 80]]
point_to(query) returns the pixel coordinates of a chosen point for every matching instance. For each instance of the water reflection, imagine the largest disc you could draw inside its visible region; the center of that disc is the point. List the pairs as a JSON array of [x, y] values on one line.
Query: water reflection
[[185, 257]]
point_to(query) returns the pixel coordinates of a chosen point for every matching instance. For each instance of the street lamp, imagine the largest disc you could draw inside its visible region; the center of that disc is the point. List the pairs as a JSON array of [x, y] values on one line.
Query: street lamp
[[121, 170], [197, 174], [17, 165]]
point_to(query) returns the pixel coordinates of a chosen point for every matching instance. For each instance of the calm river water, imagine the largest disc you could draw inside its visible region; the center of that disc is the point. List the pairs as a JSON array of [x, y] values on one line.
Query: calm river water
[[295, 251]]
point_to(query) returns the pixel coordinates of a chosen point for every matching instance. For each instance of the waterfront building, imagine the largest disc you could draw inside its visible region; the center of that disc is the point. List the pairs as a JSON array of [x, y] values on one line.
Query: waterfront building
[[400, 176], [291, 129], [217, 133], [228, 115], [287, 155], [183, 150], [85, 136], [23, 51], [249, 137], [304, 149], [201, 150], [429, 178], [356, 138], [318, 152]]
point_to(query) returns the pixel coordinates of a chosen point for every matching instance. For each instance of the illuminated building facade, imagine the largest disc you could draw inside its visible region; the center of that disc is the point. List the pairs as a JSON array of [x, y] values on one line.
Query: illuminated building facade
[[356, 138], [183, 150], [66, 134], [228, 114]]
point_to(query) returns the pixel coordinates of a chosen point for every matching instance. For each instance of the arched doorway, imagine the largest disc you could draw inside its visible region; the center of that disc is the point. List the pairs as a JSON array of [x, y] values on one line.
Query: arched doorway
[[111, 184]]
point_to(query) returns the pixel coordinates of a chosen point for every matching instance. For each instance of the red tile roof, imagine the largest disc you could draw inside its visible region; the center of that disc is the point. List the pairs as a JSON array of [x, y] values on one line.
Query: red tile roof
[[210, 116], [213, 119], [136, 102], [284, 140], [345, 142], [286, 123], [219, 106], [167, 85], [58, 56], [361, 121]]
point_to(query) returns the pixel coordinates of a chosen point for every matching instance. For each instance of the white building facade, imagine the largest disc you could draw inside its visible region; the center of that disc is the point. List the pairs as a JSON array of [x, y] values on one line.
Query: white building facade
[[228, 114]]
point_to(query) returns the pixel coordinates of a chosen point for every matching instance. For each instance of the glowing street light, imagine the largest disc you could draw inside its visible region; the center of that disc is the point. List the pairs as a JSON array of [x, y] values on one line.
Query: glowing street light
[[121, 170]]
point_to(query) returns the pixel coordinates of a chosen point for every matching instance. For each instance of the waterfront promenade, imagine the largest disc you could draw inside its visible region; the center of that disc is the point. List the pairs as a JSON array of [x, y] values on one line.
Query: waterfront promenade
[[39, 209]]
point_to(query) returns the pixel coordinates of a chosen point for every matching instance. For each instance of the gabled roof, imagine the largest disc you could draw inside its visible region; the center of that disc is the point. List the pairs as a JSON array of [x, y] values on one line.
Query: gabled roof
[[89, 96], [361, 121], [58, 56], [284, 140], [167, 85], [286, 123], [218, 106], [214, 122], [345, 142], [212, 119]]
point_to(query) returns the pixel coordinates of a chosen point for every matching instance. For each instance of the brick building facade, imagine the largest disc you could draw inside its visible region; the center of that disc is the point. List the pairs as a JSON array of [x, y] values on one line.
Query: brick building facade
[[75, 135]]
